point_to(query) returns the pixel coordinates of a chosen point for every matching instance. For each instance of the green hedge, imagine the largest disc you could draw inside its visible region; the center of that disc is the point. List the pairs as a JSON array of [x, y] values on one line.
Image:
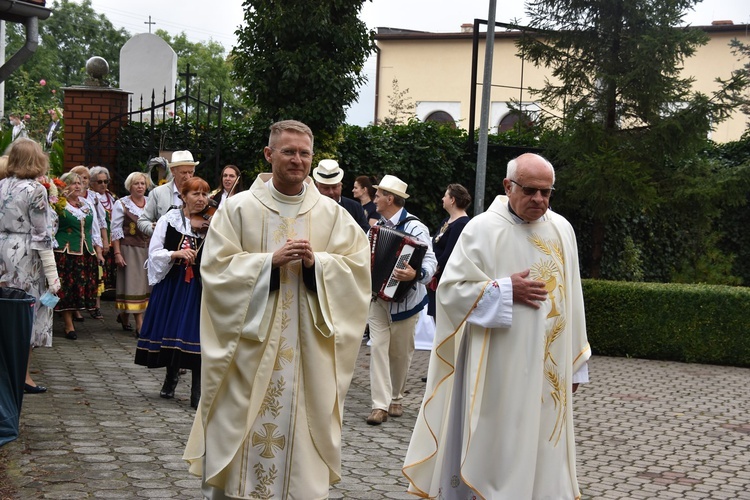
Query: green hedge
[[663, 244], [675, 322]]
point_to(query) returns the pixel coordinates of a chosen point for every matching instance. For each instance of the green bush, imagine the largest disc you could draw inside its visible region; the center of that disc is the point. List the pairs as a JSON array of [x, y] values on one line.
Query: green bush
[[675, 322], [427, 156]]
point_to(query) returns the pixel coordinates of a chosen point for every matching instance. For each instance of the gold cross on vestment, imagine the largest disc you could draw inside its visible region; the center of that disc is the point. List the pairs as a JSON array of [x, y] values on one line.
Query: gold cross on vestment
[[269, 441]]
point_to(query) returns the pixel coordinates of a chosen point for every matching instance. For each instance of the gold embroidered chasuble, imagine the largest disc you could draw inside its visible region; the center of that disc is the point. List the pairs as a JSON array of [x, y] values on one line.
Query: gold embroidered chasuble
[[276, 367], [496, 421]]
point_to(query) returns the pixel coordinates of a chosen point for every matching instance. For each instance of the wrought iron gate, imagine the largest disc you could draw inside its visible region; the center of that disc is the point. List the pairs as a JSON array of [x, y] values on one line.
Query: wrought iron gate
[[185, 122]]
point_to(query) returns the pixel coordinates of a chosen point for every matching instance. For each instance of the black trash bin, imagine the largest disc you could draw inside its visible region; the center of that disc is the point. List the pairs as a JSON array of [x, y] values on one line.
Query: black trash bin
[[16, 321]]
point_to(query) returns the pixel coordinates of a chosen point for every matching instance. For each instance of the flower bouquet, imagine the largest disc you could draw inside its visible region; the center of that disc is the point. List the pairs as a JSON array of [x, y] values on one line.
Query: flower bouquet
[[54, 187], [56, 203]]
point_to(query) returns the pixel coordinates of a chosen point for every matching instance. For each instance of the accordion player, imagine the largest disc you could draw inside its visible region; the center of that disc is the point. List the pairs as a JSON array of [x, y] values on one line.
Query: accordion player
[[391, 249]]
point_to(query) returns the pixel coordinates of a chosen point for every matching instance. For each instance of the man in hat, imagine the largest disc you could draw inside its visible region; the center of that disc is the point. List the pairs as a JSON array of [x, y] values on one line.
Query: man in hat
[[167, 195], [328, 177], [510, 350], [286, 286], [393, 324]]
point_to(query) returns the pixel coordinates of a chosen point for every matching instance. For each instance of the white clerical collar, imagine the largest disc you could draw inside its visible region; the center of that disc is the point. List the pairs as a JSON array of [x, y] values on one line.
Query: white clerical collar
[[285, 198]]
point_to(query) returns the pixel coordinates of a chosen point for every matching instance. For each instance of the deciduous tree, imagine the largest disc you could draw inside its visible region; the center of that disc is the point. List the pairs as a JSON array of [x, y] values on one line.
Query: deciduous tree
[[68, 38], [302, 60], [213, 69]]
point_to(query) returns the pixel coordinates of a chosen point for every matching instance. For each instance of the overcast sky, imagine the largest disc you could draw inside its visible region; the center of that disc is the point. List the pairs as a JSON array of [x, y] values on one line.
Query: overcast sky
[[218, 20]]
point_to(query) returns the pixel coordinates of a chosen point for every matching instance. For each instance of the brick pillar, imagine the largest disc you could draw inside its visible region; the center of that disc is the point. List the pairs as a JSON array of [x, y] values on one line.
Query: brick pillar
[[94, 105]]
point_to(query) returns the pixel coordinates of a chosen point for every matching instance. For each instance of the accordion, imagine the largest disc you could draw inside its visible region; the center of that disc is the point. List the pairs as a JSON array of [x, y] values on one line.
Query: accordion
[[391, 249]]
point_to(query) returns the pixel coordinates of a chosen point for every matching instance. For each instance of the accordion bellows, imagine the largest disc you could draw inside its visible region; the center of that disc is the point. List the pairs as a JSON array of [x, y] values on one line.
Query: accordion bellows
[[391, 249]]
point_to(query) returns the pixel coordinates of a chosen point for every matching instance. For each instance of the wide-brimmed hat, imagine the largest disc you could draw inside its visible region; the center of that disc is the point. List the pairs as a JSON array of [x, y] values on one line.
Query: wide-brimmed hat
[[182, 158], [328, 172], [394, 185]]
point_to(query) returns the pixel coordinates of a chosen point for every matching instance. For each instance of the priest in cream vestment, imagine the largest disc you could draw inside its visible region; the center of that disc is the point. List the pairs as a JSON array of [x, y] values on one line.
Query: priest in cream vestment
[[278, 343], [497, 419]]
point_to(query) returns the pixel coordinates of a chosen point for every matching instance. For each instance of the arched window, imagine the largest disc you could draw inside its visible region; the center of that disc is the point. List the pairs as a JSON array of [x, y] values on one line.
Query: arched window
[[509, 121], [441, 117]]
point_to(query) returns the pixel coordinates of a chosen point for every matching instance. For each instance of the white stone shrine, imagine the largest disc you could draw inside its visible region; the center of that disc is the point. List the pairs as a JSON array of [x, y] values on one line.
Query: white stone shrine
[[148, 64]]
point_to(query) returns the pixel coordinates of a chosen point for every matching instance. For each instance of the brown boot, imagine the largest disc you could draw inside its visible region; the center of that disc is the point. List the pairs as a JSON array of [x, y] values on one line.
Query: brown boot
[[395, 410], [377, 417]]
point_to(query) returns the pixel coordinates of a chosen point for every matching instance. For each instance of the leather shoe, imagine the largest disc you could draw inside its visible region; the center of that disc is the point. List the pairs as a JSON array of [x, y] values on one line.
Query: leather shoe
[[377, 417], [34, 389], [71, 335], [170, 383], [395, 410], [79, 319]]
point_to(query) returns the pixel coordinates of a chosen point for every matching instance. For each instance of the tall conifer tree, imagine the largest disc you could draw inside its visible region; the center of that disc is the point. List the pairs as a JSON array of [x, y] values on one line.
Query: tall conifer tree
[[629, 122]]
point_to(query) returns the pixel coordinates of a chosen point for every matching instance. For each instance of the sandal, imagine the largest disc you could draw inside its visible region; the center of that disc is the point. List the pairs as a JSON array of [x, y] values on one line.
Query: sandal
[[79, 319], [125, 326], [96, 313]]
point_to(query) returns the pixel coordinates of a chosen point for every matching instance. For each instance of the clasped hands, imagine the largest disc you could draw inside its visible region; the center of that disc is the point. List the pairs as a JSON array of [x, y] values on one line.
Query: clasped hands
[[294, 250]]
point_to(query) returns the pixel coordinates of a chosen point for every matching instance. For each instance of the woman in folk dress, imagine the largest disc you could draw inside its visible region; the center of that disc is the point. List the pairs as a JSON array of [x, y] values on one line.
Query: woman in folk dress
[[130, 250]]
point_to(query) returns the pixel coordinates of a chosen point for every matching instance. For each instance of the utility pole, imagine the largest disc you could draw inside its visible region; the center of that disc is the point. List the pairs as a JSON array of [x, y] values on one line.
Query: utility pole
[[484, 117]]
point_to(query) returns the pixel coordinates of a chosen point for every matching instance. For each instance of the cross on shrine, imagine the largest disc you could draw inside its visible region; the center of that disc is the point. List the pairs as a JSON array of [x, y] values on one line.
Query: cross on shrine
[[149, 22], [269, 441]]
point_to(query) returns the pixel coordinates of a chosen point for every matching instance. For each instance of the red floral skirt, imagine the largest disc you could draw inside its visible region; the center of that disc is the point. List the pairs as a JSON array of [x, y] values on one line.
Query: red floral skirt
[[79, 278]]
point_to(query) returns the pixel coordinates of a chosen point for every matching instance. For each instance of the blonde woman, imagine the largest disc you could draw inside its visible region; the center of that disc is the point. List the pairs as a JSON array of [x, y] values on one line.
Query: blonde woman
[[130, 249], [26, 258]]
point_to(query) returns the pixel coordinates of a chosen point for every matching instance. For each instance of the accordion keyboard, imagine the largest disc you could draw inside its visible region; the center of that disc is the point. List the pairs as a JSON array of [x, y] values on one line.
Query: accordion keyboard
[[406, 252]]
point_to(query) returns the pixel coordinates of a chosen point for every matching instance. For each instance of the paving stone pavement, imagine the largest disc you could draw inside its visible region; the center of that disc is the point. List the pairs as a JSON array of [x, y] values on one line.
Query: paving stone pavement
[[645, 429]]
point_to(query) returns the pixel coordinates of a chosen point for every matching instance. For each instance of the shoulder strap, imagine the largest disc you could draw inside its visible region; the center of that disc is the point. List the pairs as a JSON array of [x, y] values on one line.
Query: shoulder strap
[[406, 219]]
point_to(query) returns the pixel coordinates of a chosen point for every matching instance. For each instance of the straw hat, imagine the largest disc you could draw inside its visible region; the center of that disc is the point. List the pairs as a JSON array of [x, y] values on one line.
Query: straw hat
[[394, 185], [328, 172]]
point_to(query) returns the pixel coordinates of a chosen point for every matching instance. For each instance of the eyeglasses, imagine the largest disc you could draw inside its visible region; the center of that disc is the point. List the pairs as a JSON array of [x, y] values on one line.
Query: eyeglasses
[[531, 191], [291, 153], [105, 181]]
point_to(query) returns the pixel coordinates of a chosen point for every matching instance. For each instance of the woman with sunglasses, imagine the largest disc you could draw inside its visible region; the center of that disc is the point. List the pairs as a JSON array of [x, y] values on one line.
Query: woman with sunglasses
[[100, 181]]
